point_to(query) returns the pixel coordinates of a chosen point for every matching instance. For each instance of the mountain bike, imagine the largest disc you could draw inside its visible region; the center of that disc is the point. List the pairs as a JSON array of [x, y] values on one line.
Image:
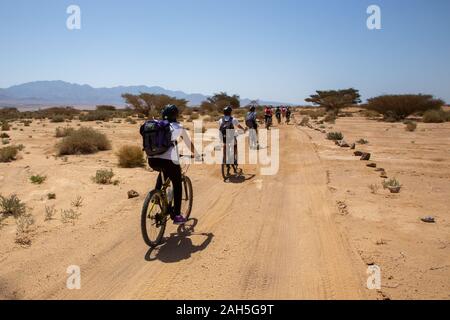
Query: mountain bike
[[158, 205], [228, 164], [268, 122]]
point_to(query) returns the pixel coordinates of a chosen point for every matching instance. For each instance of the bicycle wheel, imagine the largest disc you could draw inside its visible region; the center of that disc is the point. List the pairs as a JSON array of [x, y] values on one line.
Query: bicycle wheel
[[153, 218], [187, 198]]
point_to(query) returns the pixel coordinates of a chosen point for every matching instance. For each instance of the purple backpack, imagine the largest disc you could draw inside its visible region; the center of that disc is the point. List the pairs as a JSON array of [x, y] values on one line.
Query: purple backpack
[[157, 137]]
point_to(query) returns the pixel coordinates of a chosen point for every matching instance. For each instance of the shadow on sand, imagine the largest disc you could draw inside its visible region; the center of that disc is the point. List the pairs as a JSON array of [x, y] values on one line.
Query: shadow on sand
[[178, 246]]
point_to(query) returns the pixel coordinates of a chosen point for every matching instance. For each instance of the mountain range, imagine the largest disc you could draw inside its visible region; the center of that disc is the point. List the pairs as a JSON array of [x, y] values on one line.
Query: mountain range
[[41, 93]]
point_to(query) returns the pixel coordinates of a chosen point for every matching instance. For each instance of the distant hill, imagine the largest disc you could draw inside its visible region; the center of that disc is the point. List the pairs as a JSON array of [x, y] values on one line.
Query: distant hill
[[59, 92]]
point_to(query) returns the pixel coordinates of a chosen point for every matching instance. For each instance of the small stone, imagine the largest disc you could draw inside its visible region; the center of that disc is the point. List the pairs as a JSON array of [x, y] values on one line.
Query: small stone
[[372, 165], [428, 219], [383, 175], [343, 144], [365, 156], [358, 153], [132, 194], [353, 146], [380, 170]]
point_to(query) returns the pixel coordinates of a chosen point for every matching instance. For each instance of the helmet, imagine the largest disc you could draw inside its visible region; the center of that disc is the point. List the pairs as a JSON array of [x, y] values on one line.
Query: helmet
[[227, 111], [170, 113]]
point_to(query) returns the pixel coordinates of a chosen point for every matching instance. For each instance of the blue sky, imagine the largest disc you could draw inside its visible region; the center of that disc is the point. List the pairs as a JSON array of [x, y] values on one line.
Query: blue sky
[[279, 50]]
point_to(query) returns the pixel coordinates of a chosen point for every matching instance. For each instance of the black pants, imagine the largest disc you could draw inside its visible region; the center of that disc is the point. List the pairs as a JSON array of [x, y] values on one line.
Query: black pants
[[173, 172]]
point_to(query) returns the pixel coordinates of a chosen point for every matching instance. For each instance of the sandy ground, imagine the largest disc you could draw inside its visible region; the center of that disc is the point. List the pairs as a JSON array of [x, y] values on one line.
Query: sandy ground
[[269, 237]]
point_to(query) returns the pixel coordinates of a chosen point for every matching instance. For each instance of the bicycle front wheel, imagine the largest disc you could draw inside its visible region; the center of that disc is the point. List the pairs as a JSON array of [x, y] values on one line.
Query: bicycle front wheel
[[153, 218], [187, 198]]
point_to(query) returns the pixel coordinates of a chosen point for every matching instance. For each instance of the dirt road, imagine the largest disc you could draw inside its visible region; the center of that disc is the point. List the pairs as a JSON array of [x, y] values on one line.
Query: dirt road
[[270, 237]]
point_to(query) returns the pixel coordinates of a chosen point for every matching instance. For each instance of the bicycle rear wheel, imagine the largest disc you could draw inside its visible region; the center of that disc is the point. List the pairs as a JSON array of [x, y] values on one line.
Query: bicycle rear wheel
[[153, 218], [187, 198]]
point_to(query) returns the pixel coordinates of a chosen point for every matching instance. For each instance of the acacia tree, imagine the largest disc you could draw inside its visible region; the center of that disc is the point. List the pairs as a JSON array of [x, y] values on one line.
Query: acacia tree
[[334, 100], [219, 101], [152, 104]]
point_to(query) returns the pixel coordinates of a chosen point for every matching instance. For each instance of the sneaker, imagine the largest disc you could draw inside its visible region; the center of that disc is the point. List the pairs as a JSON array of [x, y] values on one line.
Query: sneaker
[[179, 219]]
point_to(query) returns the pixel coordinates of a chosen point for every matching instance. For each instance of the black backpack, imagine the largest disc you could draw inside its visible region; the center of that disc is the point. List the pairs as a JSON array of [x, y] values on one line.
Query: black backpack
[[156, 137], [225, 126]]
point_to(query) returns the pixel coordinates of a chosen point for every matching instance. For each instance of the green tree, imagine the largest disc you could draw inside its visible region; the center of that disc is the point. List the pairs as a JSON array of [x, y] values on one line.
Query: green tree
[[152, 104], [334, 100], [219, 101]]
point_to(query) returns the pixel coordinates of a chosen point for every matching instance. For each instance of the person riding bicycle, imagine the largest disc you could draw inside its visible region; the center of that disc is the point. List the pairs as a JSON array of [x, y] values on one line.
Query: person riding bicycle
[[278, 114], [288, 114], [169, 162], [268, 115], [227, 127], [252, 125]]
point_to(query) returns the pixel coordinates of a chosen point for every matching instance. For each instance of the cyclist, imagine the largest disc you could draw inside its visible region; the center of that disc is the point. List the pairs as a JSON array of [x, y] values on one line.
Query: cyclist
[[268, 116], [252, 125], [169, 162], [283, 111], [278, 114], [227, 126], [288, 114]]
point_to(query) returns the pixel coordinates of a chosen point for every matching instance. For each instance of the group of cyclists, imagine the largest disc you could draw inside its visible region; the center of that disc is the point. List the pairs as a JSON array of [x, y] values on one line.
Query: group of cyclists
[[169, 162], [280, 113]]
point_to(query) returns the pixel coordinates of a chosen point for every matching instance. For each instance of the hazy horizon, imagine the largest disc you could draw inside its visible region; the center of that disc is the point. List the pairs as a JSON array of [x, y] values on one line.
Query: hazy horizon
[[270, 50]]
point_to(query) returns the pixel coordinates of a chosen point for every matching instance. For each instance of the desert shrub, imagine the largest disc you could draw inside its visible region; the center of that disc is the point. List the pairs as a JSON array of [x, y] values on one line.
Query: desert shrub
[[4, 135], [335, 136], [362, 141], [27, 123], [370, 114], [8, 154], [330, 117], [24, 223], [69, 216], [11, 206], [38, 179], [410, 126], [83, 141], [436, 116], [391, 183], [97, 115], [130, 120], [5, 141], [77, 202], [63, 132], [398, 107], [57, 118], [51, 196], [305, 121], [105, 108], [130, 157], [50, 212], [103, 176], [5, 126]]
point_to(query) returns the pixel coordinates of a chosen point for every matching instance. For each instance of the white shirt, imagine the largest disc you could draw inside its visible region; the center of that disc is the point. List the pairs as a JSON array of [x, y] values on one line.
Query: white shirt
[[177, 131]]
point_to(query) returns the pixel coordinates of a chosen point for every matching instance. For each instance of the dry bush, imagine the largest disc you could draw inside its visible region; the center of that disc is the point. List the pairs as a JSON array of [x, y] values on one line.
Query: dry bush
[[69, 216], [335, 136], [8, 154], [362, 141], [130, 157], [24, 223], [50, 212], [410, 126], [12, 206], [97, 115], [38, 179], [103, 176], [4, 135], [57, 118], [330, 117], [78, 202], [5, 126], [51, 196], [5, 141], [63, 132], [83, 141], [436, 116], [305, 121], [398, 107]]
